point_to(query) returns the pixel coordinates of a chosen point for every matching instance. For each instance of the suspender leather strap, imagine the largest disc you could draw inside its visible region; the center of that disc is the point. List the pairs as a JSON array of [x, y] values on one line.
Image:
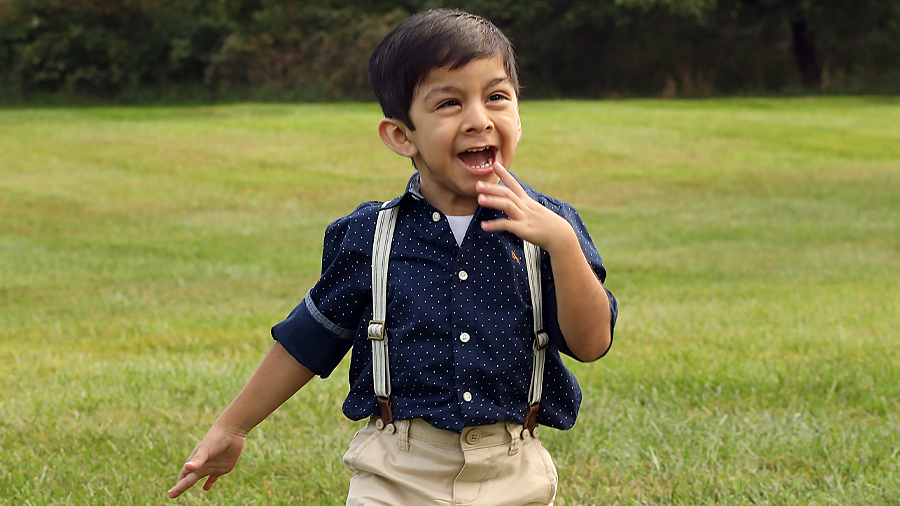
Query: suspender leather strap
[[377, 330]]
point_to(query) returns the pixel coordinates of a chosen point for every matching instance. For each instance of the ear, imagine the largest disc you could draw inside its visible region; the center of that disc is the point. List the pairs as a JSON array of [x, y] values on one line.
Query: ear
[[395, 135]]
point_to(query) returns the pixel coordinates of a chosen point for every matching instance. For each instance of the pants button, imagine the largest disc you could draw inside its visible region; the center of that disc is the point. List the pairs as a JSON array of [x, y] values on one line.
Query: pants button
[[473, 436]]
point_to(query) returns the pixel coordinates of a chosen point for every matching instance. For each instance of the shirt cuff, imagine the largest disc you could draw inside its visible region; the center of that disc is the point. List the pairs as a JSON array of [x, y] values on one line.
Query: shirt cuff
[[613, 315], [312, 339]]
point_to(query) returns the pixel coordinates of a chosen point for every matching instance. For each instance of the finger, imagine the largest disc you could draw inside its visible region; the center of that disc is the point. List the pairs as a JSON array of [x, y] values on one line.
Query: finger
[[494, 189], [188, 468], [210, 481], [496, 225], [500, 203], [499, 197], [183, 484], [508, 180], [505, 225], [196, 461], [185, 471]]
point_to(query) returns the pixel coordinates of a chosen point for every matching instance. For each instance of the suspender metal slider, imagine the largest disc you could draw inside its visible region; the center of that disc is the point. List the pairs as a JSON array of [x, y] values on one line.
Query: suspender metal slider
[[376, 330], [541, 339]]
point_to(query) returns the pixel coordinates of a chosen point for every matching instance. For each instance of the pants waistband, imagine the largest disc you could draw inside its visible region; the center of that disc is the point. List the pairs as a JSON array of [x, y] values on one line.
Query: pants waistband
[[503, 433]]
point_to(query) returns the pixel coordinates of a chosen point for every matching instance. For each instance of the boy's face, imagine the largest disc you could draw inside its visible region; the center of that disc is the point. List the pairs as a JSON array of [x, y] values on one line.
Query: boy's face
[[466, 121]]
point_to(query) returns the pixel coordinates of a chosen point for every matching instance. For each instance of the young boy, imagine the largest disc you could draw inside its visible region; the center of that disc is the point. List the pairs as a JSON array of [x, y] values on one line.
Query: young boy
[[454, 318]]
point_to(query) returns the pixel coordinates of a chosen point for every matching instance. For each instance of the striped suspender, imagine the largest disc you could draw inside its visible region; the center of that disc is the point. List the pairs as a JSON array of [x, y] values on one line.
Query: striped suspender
[[541, 338], [377, 333], [381, 248]]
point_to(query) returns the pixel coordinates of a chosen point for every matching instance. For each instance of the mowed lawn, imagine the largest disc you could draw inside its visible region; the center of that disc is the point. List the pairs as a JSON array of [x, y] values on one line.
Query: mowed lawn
[[754, 246]]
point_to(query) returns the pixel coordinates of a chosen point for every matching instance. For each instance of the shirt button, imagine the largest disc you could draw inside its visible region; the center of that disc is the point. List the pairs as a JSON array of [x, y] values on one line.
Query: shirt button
[[473, 436], [435, 216], [464, 337], [467, 396], [463, 275]]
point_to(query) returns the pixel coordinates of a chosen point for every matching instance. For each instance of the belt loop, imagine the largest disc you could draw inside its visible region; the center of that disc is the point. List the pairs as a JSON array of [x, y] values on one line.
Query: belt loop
[[515, 435], [403, 432]]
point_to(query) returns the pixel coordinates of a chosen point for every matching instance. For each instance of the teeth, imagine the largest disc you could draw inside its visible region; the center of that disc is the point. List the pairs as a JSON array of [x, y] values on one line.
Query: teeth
[[486, 164]]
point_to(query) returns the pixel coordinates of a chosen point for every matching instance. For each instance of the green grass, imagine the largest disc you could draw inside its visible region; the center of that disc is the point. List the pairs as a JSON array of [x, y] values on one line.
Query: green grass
[[754, 246]]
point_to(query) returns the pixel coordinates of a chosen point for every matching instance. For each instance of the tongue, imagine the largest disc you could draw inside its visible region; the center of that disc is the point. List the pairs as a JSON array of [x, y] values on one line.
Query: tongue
[[477, 158]]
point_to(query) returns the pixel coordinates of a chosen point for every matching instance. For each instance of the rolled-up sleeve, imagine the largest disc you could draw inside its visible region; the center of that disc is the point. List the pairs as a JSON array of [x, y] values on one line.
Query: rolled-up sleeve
[[320, 330]]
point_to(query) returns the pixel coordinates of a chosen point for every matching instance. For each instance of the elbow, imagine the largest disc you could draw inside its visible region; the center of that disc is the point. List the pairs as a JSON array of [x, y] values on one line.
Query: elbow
[[594, 348]]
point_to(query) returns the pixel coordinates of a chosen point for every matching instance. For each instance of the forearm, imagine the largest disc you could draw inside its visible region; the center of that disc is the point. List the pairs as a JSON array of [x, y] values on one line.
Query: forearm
[[582, 304], [277, 378]]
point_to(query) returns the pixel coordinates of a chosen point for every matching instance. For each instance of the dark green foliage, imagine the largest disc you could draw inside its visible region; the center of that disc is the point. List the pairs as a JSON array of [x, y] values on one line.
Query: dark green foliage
[[318, 49]]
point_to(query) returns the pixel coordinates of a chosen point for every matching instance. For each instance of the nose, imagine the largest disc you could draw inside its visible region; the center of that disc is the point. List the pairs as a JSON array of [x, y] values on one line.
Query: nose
[[477, 120]]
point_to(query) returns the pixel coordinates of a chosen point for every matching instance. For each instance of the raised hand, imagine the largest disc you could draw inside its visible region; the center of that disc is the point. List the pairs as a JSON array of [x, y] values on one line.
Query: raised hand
[[581, 301], [528, 219]]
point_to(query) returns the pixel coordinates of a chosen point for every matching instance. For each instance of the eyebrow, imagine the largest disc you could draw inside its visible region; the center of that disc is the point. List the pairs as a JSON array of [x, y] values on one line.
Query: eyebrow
[[453, 89]]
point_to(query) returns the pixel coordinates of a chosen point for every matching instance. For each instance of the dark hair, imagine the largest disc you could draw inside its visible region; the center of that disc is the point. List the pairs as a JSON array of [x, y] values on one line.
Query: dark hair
[[434, 39]]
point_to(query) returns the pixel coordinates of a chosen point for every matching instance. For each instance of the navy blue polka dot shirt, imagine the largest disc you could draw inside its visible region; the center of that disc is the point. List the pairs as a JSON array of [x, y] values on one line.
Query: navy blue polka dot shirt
[[459, 318]]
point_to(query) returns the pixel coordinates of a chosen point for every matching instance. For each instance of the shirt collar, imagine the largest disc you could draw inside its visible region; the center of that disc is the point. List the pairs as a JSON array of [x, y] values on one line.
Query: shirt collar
[[414, 186]]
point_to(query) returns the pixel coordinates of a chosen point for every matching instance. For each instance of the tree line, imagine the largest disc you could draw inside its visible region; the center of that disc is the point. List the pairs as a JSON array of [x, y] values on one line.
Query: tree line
[[138, 50]]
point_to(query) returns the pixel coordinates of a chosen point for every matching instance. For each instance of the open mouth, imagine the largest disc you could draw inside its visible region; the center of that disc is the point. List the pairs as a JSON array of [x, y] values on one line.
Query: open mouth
[[478, 158]]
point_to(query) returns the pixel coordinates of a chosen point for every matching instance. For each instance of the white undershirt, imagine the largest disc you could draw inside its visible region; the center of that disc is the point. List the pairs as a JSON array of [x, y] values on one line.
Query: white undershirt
[[459, 225]]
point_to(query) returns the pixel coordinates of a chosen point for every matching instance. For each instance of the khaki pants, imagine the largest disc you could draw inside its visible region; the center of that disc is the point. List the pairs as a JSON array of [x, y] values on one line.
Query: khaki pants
[[411, 463]]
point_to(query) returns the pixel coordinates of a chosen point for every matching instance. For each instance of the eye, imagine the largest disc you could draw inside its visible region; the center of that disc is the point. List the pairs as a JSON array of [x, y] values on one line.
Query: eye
[[496, 97], [448, 103]]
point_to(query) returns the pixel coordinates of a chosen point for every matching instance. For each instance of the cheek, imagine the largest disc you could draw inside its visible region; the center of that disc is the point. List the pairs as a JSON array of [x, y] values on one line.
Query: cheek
[[513, 126], [438, 134], [511, 134], [508, 153]]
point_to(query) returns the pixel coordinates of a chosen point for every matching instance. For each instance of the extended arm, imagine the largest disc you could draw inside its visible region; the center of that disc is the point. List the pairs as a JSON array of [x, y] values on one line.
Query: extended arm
[[278, 377], [582, 303]]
